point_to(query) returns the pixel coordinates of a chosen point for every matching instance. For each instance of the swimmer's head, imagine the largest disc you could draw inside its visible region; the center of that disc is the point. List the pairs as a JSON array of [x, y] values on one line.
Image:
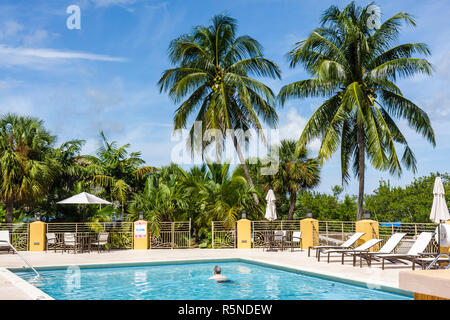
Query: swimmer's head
[[217, 270]]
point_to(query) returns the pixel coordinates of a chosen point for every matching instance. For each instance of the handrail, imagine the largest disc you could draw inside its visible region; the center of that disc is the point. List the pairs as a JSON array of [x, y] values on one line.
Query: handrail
[[22, 257], [437, 259]]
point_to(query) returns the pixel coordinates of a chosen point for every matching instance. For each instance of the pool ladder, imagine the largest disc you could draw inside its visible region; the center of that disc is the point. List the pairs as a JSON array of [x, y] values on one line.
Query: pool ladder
[[440, 255], [22, 257]]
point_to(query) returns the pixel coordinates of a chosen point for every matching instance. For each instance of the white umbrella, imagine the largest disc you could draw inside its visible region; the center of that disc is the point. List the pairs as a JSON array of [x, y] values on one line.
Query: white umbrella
[[439, 210], [84, 198], [271, 213], [271, 210]]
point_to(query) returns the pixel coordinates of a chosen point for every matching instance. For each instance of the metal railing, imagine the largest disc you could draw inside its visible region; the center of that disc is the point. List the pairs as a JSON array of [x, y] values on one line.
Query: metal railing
[[261, 230], [171, 235], [18, 233], [332, 232], [121, 233], [223, 236], [412, 231]]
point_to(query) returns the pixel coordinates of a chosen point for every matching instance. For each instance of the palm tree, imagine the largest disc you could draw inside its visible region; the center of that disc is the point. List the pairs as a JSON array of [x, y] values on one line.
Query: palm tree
[[355, 69], [295, 173], [118, 172], [25, 173], [213, 75]]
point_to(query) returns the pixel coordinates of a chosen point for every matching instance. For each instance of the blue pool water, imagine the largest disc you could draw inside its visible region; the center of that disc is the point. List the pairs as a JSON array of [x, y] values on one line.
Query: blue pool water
[[190, 281]]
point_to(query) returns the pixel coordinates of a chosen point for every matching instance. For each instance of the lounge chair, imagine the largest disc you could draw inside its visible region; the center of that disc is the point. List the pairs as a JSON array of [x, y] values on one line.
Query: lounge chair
[[362, 248], [5, 241], [296, 239], [387, 248], [414, 254], [101, 241], [346, 245], [70, 241]]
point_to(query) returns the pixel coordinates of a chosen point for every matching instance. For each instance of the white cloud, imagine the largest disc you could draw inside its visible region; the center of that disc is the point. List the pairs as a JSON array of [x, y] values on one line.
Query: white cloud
[[107, 3], [55, 54], [293, 127]]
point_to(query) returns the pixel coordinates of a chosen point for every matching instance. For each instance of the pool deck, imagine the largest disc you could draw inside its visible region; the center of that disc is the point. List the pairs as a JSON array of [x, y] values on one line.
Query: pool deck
[[12, 288]]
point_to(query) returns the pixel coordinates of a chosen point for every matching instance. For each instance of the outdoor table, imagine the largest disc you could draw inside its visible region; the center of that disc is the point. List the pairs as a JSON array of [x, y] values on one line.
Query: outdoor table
[[83, 242]]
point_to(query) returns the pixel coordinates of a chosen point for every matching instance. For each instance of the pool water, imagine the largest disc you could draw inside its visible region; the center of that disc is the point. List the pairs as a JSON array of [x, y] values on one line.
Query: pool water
[[190, 282]]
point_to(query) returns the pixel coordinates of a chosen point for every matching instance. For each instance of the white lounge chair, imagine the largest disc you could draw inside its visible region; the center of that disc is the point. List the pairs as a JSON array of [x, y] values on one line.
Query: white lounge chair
[[362, 248], [387, 248], [414, 254], [346, 245], [5, 240]]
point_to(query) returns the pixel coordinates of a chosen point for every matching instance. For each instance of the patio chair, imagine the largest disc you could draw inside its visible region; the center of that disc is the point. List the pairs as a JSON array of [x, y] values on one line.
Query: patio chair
[[102, 241], [296, 239], [415, 253], [387, 248], [279, 238], [70, 241], [346, 245], [362, 248], [5, 241], [51, 241]]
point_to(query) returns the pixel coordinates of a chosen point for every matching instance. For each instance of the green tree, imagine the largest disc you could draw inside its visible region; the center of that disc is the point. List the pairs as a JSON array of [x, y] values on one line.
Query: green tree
[[118, 172], [25, 173], [213, 75], [355, 69], [295, 173]]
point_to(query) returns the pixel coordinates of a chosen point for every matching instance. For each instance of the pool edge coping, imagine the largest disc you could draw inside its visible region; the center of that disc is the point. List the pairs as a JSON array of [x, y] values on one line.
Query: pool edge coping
[[359, 283], [28, 290]]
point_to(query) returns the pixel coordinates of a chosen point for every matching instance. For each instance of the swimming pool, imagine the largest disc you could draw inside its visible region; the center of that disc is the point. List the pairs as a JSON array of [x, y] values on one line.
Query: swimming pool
[[190, 281]]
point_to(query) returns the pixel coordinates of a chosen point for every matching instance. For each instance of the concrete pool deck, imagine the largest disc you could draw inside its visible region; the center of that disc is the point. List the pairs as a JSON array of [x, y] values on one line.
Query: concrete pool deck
[[298, 261]]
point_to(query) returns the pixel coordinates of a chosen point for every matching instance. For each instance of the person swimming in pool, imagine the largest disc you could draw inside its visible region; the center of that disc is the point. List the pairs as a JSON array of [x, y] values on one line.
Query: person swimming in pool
[[218, 276]]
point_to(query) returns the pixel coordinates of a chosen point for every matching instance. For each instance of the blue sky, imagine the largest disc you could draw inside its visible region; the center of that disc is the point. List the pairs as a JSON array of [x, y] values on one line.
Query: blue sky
[[103, 76]]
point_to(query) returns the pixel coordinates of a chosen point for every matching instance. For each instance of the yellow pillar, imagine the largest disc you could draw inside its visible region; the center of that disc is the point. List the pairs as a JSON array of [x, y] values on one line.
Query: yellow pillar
[[370, 229], [244, 234], [310, 232], [140, 233], [37, 236]]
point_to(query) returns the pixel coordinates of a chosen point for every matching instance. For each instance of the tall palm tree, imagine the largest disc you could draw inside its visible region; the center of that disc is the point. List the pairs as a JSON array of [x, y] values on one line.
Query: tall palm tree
[[355, 69], [213, 75], [25, 173], [295, 172]]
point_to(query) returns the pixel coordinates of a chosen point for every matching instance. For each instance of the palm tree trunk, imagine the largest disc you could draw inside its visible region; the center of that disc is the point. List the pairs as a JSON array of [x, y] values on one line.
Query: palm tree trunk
[[244, 165], [293, 198], [9, 210], [361, 169]]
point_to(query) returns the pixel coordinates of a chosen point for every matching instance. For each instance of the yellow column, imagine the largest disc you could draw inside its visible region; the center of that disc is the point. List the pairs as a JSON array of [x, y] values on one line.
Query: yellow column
[[310, 232], [370, 229], [244, 234], [140, 232], [37, 236]]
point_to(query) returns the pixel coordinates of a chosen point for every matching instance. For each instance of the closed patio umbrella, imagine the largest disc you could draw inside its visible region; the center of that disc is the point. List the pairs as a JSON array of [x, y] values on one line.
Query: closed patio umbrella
[[271, 210], [439, 210]]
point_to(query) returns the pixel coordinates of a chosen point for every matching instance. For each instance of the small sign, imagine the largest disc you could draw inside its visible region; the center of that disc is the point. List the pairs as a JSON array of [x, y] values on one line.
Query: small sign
[[140, 229]]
